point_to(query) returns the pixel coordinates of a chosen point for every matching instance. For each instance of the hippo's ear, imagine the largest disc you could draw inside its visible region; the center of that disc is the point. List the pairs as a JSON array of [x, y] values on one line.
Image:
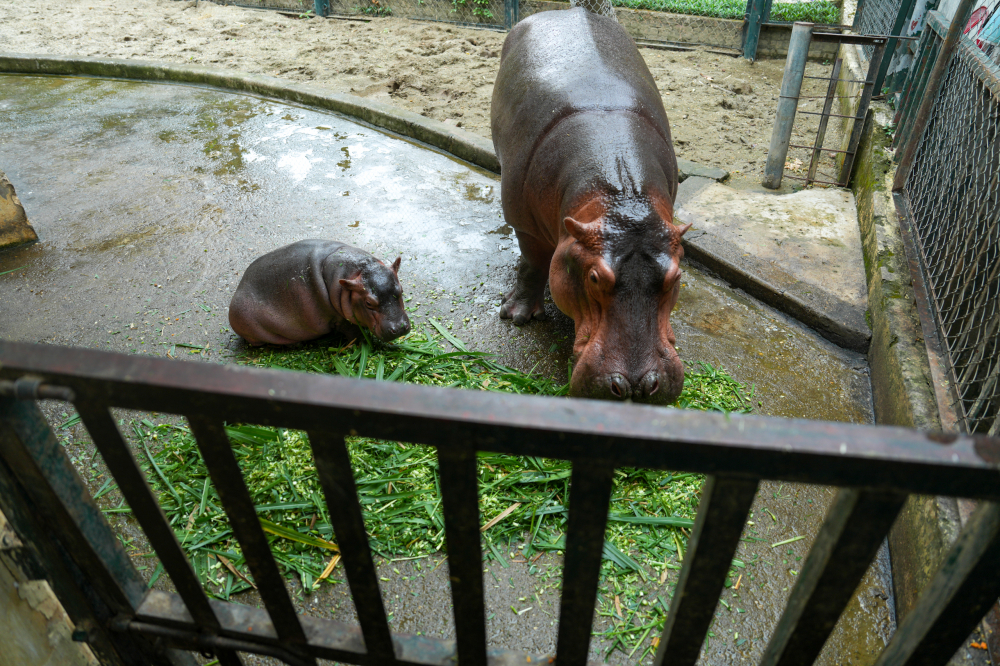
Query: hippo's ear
[[683, 228], [395, 265], [582, 231], [353, 284]]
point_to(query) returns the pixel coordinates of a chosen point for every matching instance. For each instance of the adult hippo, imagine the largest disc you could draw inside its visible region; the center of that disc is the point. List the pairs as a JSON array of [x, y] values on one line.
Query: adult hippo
[[588, 181], [307, 289]]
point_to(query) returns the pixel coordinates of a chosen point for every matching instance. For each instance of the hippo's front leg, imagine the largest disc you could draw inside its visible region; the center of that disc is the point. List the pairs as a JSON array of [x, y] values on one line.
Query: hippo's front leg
[[526, 301]]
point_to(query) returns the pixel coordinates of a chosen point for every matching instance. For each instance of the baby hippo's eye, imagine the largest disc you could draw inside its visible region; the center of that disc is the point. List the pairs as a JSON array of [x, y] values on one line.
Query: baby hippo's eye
[[593, 276], [371, 303]]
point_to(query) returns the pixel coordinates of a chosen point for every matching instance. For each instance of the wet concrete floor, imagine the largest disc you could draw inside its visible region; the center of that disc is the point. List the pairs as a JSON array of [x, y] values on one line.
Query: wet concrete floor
[[150, 200]]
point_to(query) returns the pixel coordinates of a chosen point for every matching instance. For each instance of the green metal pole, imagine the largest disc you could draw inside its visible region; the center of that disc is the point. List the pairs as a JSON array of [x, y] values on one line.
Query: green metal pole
[[788, 101]]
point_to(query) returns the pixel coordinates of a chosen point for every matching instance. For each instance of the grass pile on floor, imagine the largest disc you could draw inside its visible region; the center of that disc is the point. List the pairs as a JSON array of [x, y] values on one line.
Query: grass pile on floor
[[818, 11], [524, 497]]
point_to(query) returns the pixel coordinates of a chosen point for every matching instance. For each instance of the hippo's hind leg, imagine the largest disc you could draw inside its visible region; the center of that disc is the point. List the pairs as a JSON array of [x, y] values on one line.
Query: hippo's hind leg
[[526, 301]]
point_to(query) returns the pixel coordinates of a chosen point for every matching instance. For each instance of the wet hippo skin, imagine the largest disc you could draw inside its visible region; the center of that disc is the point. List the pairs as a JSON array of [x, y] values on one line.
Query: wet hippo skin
[[588, 180], [307, 289]]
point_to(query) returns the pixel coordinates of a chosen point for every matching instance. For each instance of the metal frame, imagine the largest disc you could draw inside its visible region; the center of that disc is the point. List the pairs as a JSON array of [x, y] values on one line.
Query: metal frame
[[876, 467]]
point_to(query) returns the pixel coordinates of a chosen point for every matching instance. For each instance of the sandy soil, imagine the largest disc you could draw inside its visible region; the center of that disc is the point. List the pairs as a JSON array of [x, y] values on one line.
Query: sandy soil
[[721, 108]]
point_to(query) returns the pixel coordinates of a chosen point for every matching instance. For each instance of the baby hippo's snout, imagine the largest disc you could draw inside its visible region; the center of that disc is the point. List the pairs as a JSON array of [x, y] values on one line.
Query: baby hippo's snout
[[395, 329]]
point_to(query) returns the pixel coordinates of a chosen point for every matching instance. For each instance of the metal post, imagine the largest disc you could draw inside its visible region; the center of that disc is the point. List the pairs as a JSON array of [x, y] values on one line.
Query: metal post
[[758, 12], [905, 10], [788, 100], [930, 93], [859, 121], [510, 13], [321, 7]]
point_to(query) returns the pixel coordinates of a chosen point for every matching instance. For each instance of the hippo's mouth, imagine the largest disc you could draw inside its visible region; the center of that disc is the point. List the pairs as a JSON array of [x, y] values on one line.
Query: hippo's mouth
[[596, 375]]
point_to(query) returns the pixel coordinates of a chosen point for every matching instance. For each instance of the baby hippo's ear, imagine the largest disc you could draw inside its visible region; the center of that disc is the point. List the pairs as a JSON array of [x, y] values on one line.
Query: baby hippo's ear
[[395, 265], [353, 284], [683, 228]]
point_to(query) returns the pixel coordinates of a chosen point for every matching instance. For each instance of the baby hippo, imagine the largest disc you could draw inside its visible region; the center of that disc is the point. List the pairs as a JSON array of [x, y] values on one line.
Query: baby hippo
[[307, 289]]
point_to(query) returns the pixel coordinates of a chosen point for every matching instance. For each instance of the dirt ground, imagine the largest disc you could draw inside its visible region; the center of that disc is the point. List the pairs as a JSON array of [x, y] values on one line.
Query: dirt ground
[[721, 108]]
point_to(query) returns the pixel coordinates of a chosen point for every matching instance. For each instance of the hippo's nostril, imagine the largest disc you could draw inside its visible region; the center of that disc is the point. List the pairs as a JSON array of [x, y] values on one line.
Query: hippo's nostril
[[655, 387], [620, 387]]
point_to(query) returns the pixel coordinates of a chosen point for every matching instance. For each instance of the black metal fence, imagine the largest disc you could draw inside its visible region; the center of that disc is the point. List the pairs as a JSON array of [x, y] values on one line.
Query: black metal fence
[[125, 623], [952, 209]]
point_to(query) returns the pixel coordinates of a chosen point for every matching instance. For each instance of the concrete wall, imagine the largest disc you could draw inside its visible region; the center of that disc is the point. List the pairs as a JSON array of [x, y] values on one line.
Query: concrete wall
[[30, 612], [643, 25], [900, 373]]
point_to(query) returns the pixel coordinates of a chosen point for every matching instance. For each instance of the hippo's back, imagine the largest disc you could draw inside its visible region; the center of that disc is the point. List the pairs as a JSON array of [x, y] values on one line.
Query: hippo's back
[[558, 63]]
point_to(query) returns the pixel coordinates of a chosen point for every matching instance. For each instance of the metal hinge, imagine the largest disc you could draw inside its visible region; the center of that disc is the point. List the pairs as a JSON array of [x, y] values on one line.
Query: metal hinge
[[32, 388]]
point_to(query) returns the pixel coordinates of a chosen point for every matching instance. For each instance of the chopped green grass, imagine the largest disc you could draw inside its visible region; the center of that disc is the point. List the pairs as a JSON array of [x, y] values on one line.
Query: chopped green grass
[[820, 11], [398, 487]]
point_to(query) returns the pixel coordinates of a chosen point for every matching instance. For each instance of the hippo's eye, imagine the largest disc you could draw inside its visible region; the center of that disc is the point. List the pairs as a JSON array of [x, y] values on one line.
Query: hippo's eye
[[593, 276], [371, 304]]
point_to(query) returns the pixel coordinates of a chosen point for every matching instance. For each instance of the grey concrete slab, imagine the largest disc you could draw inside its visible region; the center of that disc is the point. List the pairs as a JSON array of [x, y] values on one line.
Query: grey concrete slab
[[150, 200], [799, 252]]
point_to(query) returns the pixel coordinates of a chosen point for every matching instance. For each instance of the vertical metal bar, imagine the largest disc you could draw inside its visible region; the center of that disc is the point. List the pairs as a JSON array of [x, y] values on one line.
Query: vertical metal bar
[[857, 15], [788, 100], [954, 602], [859, 116], [333, 464], [510, 13], [83, 549], [132, 484], [915, 73], [855, 526], [916, 97], [590, 497], [722, 513], [902, 16], [216, 450], [460, 502], [831, 93], [321, 7], [934, 81], [758, 12]]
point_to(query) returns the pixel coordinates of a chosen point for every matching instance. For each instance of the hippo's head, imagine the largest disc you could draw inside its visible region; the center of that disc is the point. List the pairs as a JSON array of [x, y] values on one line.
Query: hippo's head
[[616, 272], [373, 299]]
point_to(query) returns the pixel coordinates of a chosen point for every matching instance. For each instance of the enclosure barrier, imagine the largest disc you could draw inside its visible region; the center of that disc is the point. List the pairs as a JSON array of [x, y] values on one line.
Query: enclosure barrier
[[949, 206], [876, 467]]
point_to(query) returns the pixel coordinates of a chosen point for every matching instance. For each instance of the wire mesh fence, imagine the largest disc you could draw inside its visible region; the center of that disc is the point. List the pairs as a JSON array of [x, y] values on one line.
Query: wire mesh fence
[[954, 195], [875, 17]]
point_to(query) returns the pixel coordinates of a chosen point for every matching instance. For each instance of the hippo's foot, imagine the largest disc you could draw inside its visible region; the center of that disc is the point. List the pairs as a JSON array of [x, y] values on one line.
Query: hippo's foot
[[521, 308]]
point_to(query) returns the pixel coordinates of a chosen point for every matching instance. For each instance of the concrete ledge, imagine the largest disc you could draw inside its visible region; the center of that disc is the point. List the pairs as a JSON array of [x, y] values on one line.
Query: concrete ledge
[[900, 372], [782, 284], [460, 143]]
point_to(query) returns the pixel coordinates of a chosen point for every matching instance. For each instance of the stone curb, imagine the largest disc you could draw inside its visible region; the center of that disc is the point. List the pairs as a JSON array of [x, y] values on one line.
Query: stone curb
[[460, 143], [833, 318]]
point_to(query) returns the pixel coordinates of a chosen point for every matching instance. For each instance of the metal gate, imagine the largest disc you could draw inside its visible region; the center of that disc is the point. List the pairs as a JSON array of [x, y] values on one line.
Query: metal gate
[[876, 467]]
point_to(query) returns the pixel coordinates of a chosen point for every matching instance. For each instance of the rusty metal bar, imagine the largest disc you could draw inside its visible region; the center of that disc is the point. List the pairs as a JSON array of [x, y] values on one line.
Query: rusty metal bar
[[633, 435], [956, 599], [838, 38], [722, 513], [858, 125], [460, 504], [934, 81], [134, 487], [217, 452], [590, 497], [824, 150], [855, 525], [333, 466], [824, 119]]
